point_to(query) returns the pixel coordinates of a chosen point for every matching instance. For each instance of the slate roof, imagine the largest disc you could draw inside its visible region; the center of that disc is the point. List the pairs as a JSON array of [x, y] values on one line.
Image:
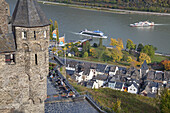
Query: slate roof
[[119, 85], [7, 43], [28, 13], [144, 66], [101, 77], [100, 67]]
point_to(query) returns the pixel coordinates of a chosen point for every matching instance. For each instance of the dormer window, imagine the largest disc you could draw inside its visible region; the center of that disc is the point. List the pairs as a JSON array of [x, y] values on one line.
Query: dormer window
[[10, 58], [34, 35], [45, 34], [24, 35]]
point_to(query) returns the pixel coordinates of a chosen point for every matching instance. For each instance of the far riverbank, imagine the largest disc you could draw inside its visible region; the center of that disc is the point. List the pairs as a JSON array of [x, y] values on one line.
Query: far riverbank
[[120, 11]]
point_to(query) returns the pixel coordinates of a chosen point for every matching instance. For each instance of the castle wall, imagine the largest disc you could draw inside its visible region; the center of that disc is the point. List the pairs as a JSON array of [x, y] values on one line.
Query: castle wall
[[23, 84]]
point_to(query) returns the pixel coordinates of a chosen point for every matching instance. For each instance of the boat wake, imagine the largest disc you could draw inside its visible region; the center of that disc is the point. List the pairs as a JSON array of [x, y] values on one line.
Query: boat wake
[[161, 24]]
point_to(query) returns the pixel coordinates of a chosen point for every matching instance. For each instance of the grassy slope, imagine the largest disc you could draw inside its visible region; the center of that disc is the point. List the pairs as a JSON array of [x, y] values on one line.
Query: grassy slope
[[130, 103], [158, 58]]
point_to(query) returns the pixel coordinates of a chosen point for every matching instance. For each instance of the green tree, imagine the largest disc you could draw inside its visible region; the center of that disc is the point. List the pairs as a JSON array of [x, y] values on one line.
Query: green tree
[[130, 45], [107, 55], [85, 55], [140, 47], [149, 50], [86, 47], [51, 29], [100, 42]]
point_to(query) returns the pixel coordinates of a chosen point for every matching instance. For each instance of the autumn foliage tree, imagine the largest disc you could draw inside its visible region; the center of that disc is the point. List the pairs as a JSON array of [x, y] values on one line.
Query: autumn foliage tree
[[117, 49], [144, 57], [166, 64]]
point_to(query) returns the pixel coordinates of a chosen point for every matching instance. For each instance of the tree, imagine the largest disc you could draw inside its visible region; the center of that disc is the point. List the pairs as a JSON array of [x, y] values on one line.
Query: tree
[[86, 47], [85, 55], [166, 64], [94, 45], [140, 47], [54, 49], [149, 50], [129, 59], [144, 57], [130, 45], [56, 27], [116, 55], [100, 42], [93, 53], [51, 29], [107, 55]]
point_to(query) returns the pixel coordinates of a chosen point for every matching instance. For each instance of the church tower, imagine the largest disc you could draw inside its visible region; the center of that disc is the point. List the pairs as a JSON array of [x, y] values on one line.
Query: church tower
[[31, 29], [24, 59]]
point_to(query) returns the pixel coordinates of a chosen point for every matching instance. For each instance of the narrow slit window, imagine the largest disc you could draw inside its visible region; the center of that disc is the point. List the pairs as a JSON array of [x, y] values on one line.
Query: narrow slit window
[[24, 35], [34, 35], [36, 61], [45, 34]]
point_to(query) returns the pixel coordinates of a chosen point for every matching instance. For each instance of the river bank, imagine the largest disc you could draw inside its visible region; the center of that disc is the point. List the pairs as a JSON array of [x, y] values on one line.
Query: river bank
[[120, 11]]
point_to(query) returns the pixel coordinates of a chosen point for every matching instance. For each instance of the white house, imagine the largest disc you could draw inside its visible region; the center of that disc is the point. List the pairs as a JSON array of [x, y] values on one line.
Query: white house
[[133, 88], [92, 84], [101, 79], [79, 77]]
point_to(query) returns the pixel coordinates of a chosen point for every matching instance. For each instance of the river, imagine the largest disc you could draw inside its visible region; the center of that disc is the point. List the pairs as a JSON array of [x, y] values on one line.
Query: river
[[113, 25]]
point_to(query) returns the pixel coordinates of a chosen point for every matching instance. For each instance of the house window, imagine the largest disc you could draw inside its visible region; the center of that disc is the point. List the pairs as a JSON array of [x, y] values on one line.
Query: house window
[[134, 89], [10, 58], [45, 34], [34, 35], [36, 61], [24, 35]]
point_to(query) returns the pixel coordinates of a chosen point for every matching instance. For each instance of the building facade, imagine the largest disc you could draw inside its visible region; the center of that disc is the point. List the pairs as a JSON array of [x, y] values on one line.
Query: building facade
[[24, 62]]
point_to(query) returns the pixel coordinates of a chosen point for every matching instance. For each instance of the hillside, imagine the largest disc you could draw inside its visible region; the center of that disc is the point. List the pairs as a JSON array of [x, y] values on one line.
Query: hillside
[[140, 5], [130, 103]]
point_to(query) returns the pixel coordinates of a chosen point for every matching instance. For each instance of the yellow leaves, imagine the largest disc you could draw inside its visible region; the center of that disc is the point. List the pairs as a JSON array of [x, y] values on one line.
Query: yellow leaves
[[129, 59], [65, 48], [144, 57], [54, 49], [118, 43]]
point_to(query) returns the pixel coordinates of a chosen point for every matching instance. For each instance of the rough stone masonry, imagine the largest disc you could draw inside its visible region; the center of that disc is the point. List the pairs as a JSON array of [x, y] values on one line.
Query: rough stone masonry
[[24, 62]]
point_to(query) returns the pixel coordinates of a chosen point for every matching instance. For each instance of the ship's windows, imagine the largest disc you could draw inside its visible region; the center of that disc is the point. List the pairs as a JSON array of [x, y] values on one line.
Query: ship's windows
[[45, 34], [24, 35], [36, 61], [34, 35]]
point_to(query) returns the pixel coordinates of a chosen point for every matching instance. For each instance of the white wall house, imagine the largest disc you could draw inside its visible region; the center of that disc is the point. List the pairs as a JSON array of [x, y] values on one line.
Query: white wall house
[[79, 77], [91, 74], [133, 89]]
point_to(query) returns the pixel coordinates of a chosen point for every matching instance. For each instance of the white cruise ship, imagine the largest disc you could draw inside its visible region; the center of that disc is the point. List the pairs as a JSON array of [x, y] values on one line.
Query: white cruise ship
[[94, 34], [142, 24]]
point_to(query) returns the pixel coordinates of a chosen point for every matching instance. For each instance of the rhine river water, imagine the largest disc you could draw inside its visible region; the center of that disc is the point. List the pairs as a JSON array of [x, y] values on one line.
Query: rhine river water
[[113, 25]]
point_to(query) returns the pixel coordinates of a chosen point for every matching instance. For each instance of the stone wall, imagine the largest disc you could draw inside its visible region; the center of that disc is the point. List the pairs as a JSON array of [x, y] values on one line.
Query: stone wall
[[23, 85]]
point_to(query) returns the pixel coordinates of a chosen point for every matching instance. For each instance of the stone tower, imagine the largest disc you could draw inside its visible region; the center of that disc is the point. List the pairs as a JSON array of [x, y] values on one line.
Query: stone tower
[[25, 67]]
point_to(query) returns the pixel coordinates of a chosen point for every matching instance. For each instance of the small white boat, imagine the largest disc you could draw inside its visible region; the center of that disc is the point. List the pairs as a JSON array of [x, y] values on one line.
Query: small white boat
[[94, 34], [142, 24]]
